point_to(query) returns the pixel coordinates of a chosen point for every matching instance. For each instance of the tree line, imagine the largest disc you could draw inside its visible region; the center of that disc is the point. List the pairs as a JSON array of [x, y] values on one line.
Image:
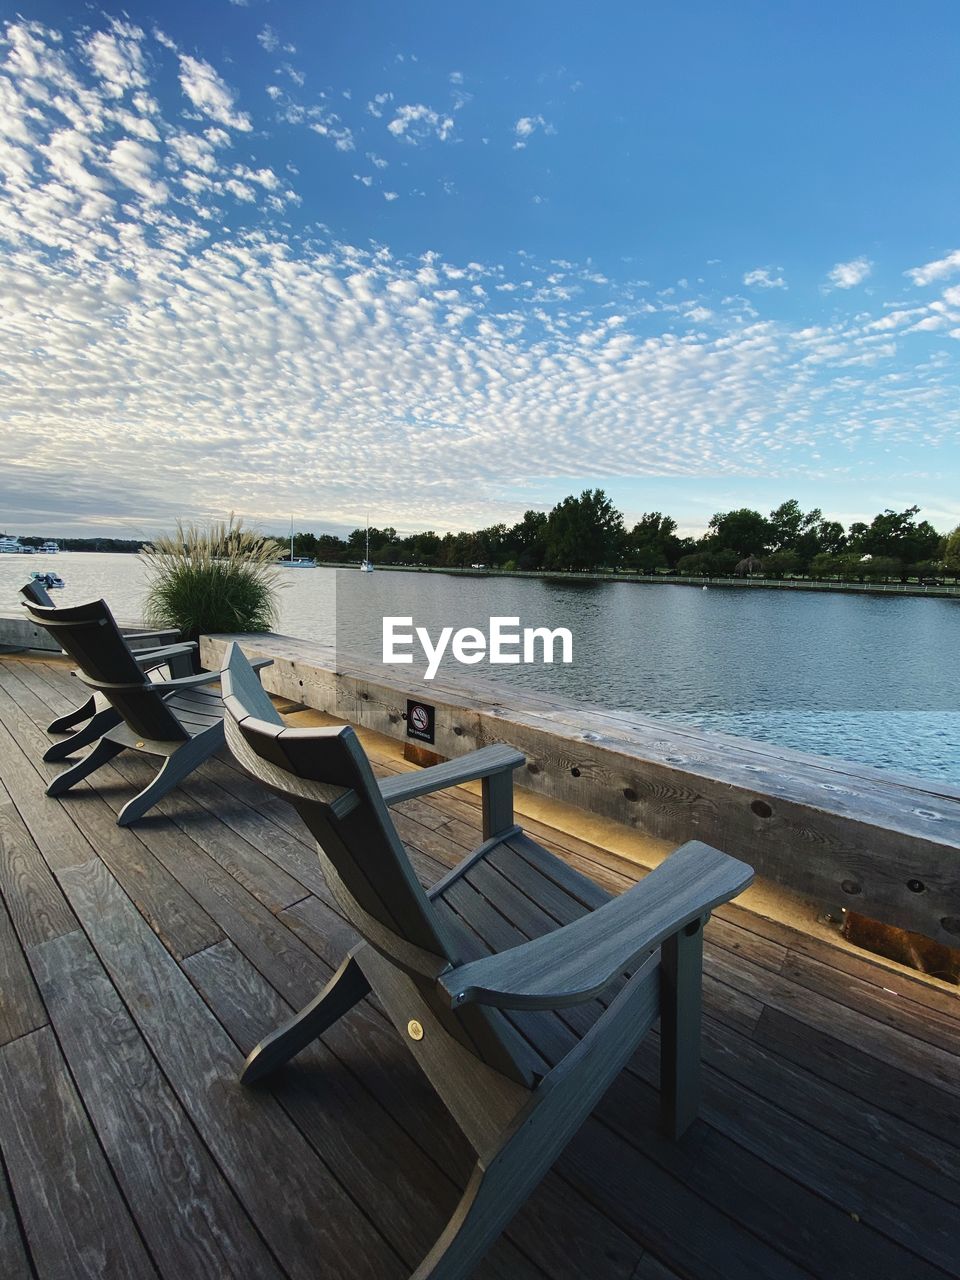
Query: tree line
[[587, 532]]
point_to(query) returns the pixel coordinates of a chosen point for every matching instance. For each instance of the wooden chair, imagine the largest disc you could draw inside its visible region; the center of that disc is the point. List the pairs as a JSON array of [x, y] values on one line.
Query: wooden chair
[[180, 720], [173, 659], [447, 986]]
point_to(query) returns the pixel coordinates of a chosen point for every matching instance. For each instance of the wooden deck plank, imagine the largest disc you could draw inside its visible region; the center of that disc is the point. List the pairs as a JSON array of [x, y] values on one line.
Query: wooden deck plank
[[189, 1217], [74, 1218], [172, 913], [277, 952], [37, 907], [21, 1009], [866, 1217], [408, 1196], [53, 831], [271, 886], [879, 1083], [14, 1260], [883, 1005], [897, 1048], [764, 1199], [863, 1122], [306, 1218], [860, 964]]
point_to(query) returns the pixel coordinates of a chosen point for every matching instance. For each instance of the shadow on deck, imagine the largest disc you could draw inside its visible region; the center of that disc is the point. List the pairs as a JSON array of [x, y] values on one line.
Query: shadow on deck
[[138, 966]]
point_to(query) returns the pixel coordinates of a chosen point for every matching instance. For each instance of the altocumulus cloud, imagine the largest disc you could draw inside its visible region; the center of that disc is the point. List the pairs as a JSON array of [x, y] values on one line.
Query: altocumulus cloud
[[171, 344], [847, 275]]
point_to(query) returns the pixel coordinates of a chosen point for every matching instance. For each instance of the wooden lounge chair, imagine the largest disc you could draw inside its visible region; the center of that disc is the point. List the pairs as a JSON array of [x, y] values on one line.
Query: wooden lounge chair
[[176, 659], [446, 986], [180, 720]]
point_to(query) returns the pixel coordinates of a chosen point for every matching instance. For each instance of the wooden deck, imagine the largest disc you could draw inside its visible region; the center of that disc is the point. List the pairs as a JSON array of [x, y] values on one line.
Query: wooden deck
[[137, 967]]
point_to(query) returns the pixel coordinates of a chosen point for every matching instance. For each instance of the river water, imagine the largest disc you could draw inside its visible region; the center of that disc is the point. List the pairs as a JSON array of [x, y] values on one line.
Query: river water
[[872, 679]]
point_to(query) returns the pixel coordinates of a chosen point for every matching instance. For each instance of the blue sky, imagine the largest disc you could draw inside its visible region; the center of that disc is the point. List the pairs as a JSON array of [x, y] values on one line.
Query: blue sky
[[446, 262]]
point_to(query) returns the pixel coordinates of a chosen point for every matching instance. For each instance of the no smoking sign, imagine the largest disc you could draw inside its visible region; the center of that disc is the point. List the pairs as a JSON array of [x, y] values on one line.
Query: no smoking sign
[[421, 721]]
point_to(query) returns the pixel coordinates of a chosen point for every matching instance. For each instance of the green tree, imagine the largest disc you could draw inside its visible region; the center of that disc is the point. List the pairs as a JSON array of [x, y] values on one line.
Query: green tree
[[830, 537], [652, 543], [780, 564], [527, 540], [896, 534], [951, 552], [790, 526], [584, 532], [707, 563], [744, 531]]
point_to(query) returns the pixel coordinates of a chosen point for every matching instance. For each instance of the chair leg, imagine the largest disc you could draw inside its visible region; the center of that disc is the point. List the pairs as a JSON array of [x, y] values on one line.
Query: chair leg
[[342, 992], [681, 998], [98, 726], [173, 771], [104, 750], [74, 717]]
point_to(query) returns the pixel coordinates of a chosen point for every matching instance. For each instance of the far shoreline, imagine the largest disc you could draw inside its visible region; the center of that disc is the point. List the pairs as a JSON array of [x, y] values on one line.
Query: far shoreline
[[659, 579]]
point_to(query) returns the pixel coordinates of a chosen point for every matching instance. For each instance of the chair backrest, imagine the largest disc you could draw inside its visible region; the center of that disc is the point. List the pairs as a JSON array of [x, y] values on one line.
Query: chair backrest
[[325, 774], [90, 635], [36, 593]]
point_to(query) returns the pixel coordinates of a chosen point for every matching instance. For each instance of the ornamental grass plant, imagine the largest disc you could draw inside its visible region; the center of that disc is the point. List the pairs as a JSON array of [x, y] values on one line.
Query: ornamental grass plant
[[212, 578]]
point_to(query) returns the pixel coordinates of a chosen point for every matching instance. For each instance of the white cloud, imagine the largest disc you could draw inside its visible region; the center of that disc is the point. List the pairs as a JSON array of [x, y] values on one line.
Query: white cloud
[[391, 195], [765, 278], [210, 94], [331, 127], [845, 275], [936, 270], [526, 127], [194, 151], [117, 58], [133, 164], [377, 104], [414, 122], [241, 190], [270, 41]]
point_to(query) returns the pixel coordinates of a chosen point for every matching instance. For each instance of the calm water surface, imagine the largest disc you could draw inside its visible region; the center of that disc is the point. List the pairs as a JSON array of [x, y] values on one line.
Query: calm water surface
[[871, 679]]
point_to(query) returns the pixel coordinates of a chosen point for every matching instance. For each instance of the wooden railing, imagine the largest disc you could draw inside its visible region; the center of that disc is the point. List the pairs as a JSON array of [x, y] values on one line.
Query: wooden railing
[[841, 834]]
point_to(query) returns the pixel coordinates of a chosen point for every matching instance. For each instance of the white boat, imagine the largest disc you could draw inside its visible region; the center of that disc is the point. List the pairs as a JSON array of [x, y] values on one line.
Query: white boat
[[52, 581], [366, 564], [12, 547], [49, 547], [296, 562]]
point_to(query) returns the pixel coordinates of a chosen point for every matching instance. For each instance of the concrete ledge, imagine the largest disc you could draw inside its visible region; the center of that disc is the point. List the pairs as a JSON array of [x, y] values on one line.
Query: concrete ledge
[[842, 835], [17, 632]]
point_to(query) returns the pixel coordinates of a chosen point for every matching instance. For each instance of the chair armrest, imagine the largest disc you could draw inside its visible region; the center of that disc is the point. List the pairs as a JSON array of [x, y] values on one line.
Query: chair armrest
[[157, 657], [204, 677], [137, 639], [580, 960], [469, 768], [166, 687]]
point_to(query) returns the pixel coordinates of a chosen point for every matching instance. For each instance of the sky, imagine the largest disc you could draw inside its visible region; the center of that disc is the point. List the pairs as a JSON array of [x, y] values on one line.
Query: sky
[[440, 263]]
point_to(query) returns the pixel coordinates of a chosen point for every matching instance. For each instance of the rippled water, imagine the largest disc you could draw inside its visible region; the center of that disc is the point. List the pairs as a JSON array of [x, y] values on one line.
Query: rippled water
[[871, 679]]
